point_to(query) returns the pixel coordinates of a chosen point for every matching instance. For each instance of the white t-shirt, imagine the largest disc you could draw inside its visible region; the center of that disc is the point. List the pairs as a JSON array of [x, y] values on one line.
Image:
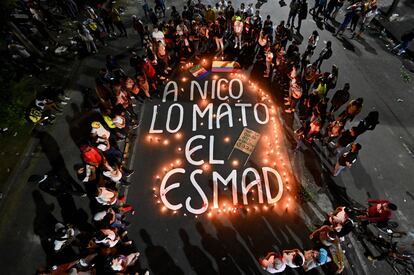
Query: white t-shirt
[[101, 132], [238, 27], [269, 56], [158, 36]]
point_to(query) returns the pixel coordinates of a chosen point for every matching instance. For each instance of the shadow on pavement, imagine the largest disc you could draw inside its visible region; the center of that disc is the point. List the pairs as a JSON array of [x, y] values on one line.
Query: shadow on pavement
[[218, 251], [198, 260], [159, 261]]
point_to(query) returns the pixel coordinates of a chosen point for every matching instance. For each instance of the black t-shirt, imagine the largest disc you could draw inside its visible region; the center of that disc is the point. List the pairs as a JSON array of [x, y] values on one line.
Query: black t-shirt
[[222, 21], [346, 138], [267, 26], [349, 157]]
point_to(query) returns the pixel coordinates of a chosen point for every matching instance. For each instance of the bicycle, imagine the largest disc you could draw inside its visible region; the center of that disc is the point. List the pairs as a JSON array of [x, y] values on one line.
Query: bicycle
[[401, 263], [361, 224]]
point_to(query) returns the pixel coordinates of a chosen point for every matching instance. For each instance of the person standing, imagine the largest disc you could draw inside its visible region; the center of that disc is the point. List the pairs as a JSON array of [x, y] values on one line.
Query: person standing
[[366, 20], [350, 13], [160, 4], [116, 19], [229, 13], [282, 34], [303, 13], [238, 30], [138, 26], [218, 31], [269, 60], [145, 7], [368, 123], [268, 28], [346, 138], [86, 37], [329, 9], [295, 94], [339, 98], [312, 42], [210, 15], [320, 8], [294, 9], [353, 108], [325, 54], [347, 159]]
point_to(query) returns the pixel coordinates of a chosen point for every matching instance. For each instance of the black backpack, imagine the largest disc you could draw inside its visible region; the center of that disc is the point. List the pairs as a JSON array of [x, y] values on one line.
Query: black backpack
[[328, 54]]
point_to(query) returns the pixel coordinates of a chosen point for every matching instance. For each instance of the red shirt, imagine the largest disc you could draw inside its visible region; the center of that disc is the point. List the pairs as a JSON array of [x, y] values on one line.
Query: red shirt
[[91, 155], [149, 69], [378, 215]]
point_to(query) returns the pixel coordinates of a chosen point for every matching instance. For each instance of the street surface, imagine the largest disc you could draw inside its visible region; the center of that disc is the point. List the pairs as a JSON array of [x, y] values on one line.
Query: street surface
[[183, 243]]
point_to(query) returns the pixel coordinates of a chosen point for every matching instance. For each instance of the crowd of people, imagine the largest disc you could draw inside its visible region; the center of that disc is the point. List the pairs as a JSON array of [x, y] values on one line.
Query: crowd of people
[[196, 31], [103, 247], [328, 237]]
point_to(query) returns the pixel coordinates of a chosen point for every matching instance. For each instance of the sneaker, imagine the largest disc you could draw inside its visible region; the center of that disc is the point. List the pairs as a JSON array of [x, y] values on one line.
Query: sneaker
[[371, 259], [63, 103], [122, 199], [83, 263], [126, 209], [287, 103], [127, 172], [289, 111], [66, 98]]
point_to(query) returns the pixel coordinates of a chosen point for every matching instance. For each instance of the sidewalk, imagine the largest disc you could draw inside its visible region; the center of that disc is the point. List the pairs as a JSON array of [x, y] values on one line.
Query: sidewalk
[[401, 20]]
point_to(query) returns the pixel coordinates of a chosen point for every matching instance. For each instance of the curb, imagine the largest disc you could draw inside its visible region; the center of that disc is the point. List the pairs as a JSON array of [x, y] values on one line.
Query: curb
[[33, 142]]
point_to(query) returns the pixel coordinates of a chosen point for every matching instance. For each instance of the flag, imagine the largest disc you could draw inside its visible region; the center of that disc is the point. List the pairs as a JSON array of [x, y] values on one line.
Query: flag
[[225, 67], [198, 72]]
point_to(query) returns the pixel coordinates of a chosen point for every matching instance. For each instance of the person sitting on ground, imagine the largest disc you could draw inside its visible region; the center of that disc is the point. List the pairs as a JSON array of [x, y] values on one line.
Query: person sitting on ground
[[340, 221], [110, 218], [379, 212], [64, 235], [106, 238], [325, 235], [273, 263], [315, 258], [293, 258], [120, 263]]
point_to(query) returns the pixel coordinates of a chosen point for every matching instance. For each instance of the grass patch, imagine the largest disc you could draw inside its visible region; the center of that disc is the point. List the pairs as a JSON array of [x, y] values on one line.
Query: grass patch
[[304, 194]]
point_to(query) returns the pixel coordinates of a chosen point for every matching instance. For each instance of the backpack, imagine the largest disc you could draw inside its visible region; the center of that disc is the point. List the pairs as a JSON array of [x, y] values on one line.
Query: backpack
[[327, 54], [35, 115], [91, 155]]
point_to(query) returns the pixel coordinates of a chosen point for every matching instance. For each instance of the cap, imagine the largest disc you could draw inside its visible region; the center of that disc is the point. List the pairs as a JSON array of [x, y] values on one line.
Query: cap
[[96, 124], [99, 216]]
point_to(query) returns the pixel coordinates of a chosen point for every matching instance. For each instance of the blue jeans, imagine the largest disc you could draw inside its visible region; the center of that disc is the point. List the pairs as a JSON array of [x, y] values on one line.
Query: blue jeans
[[402, 46]]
